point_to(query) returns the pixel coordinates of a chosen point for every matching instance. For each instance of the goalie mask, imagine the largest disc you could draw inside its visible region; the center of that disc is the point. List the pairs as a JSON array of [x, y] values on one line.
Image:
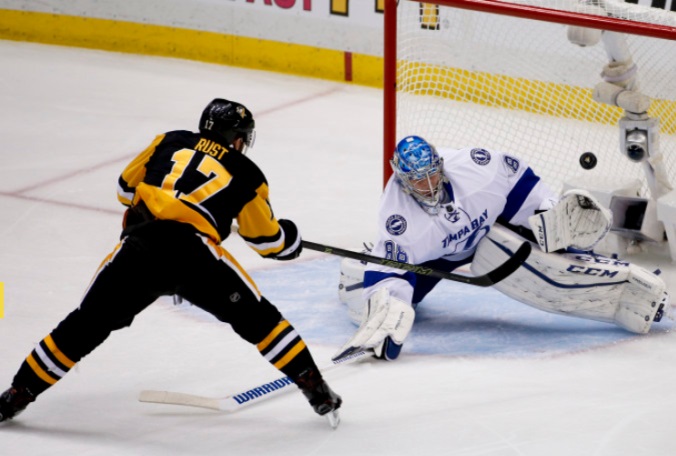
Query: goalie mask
[[226, 121], [418, 168]]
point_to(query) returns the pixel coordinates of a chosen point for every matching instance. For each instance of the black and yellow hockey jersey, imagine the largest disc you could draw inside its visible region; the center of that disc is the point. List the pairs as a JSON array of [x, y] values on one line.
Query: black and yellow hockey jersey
[[184, 177]]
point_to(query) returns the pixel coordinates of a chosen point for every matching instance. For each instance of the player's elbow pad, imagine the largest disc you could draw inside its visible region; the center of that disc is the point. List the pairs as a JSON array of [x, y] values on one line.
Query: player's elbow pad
[[292, 242]]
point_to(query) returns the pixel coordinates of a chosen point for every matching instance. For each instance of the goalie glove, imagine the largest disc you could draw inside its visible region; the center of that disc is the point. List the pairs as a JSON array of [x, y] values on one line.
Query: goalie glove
[[578, 220], [386, 316]]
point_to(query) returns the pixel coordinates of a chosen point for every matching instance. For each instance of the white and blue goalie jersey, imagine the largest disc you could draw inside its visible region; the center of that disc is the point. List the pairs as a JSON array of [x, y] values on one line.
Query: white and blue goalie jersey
[[483, 185]]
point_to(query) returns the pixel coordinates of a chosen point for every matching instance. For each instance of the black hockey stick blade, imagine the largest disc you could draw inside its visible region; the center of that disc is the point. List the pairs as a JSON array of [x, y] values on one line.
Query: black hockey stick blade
[[508, 267], [485, 280]]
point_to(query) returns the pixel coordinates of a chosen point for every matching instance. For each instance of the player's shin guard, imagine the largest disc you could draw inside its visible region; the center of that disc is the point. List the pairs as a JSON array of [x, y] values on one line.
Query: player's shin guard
[[43, 367], [285, 349]]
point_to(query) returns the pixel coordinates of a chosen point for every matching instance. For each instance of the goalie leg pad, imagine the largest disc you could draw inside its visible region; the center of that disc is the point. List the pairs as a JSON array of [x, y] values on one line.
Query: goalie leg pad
[[643, 297], [577, 285], [351, 287]]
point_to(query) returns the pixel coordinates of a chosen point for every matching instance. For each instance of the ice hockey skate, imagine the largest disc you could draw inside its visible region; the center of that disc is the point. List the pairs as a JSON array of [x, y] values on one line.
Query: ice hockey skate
[[321, 397], [13, 401]]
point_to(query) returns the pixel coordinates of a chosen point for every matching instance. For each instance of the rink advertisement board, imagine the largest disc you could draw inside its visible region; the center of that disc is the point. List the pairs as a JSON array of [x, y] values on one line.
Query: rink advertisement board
[[343, 25], [332, 39]]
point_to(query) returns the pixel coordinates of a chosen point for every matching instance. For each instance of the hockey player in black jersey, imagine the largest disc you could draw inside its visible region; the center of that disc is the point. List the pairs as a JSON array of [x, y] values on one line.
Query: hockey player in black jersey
[[183, 193]]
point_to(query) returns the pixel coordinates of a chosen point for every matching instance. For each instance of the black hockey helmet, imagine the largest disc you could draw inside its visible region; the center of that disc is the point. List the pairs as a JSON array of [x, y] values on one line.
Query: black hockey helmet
[[224, 121]]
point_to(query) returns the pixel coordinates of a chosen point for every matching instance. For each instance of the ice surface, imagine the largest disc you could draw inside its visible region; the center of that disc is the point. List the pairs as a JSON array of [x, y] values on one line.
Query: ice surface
[[480, 375]]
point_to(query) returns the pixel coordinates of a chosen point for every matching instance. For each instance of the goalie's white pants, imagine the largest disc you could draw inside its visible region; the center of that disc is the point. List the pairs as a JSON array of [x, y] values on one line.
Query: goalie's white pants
[[578, 285]]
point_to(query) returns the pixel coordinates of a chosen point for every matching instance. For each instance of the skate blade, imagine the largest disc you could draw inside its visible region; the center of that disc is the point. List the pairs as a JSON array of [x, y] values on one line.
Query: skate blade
[[333, 418]]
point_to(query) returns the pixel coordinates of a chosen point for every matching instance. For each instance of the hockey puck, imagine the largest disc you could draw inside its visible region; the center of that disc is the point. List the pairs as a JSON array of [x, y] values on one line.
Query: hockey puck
[[588, 160]]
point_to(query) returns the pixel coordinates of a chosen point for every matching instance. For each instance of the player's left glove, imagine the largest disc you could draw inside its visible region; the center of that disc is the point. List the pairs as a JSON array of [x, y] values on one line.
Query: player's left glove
[[292, 242]]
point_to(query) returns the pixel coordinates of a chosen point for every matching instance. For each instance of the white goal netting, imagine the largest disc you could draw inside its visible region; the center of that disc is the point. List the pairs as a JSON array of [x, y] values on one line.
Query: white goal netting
[[467, 78]]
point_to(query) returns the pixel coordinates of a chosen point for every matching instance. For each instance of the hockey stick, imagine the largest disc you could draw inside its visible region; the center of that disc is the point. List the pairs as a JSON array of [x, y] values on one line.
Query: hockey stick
[[485, 280], [238, 401]]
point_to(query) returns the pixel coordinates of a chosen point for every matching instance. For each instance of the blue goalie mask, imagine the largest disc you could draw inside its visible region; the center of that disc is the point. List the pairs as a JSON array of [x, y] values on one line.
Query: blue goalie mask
[[418, 168]]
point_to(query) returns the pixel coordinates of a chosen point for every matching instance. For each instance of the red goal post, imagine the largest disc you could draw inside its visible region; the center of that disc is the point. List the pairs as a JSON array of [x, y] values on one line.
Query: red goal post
[[522, 73]]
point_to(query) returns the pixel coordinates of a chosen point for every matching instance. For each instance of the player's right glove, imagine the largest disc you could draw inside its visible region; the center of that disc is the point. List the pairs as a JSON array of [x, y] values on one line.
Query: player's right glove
[[292, 242]]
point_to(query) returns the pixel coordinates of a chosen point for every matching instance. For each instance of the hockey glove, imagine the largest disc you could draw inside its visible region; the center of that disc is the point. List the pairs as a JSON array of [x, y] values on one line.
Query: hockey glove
[[387, 317], [292, 242], [578, 220]]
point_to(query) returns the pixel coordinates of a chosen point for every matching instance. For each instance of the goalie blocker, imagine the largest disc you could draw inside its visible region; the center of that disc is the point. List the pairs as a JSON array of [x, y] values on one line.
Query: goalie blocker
[[574, 284]]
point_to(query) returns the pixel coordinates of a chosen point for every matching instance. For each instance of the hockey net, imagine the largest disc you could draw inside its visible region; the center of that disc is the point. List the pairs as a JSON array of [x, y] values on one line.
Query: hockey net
[[467, 78]]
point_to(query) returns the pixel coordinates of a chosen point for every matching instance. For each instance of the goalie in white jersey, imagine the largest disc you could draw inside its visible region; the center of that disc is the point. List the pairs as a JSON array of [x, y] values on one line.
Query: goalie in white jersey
[[438, 207]]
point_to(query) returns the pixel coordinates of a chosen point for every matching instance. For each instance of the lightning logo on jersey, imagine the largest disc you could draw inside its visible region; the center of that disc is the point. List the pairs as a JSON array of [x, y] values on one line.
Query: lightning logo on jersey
[[396, 225]]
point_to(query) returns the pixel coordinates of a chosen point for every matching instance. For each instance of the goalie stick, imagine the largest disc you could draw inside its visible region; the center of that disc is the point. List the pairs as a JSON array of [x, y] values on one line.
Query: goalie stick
[[485, 280], [255, 395]]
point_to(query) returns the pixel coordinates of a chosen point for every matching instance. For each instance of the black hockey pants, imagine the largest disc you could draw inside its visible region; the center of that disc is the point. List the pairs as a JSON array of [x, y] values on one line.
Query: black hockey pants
[[163, 258]]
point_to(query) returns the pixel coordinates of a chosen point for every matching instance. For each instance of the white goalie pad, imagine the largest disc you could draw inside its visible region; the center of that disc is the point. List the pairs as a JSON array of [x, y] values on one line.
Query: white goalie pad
[[351, 287], [577, 285], [578, 220]]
